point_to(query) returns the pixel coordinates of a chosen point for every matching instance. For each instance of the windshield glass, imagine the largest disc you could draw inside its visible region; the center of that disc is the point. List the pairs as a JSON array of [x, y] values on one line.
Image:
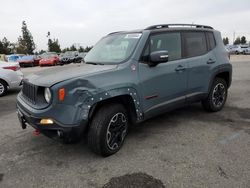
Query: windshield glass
[[69, 53], [27, 57], [113, 49], [47, 56], [13, 58]]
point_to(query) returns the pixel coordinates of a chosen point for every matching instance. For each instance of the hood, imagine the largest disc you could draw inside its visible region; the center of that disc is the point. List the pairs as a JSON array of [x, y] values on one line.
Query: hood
[[55, 75]]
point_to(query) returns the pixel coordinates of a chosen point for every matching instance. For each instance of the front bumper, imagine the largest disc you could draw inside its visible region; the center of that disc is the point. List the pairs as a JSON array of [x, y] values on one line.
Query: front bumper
[[27, 118], [17, 80]]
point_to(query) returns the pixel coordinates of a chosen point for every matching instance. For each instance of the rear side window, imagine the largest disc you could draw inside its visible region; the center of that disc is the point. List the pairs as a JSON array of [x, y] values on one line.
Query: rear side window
[[211, 40], [164, 41], [194, 44]]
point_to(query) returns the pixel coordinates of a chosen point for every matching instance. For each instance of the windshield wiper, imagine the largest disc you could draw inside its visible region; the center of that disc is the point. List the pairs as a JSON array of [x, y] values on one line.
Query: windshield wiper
[[93, 63]]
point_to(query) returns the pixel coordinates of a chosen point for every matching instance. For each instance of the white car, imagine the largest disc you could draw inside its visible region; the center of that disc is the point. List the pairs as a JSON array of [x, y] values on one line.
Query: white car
[[246, 50], [10, 76]]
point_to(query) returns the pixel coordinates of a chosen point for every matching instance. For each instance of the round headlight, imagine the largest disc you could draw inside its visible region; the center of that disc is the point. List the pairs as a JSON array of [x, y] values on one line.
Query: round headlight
[[47, 95]]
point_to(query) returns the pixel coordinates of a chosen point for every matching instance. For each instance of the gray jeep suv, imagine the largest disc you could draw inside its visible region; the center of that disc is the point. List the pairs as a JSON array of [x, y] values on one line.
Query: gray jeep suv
[[127, 78]]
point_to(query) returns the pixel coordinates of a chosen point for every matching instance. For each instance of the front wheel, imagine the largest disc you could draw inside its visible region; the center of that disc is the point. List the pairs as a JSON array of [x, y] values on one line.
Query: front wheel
[[3, 88], [108, 130], [217, 96]]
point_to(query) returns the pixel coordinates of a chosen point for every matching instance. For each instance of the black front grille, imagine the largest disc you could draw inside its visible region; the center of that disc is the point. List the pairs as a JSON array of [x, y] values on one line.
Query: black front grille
[[29, 92]]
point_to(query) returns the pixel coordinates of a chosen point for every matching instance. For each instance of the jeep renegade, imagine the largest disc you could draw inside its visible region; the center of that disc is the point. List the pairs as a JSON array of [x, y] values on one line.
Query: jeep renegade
[[128, 77]]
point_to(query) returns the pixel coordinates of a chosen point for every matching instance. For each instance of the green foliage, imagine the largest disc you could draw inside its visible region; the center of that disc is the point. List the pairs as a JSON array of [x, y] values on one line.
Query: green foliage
[[72, 48], [240, 40], [5, 46], [88, 48], [81, 49], [237, 41], [41, 52], [26, 43], [53, 45], [226, 41], [243, 40]]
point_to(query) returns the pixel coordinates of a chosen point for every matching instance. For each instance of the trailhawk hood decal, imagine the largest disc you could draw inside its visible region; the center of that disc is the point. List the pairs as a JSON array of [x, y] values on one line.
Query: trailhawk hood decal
[[55, 75]]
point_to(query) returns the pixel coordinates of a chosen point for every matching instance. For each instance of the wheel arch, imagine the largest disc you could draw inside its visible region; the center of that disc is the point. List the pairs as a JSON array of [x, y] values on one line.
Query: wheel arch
[[224, 72], [126, 100], [5, 82]]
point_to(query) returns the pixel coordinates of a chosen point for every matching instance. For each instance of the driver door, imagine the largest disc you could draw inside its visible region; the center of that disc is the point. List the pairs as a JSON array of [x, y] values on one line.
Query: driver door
[[163, 86]]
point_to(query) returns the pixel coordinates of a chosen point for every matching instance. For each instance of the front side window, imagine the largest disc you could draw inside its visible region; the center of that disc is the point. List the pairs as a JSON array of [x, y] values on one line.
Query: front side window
[[170, 42], [194, 44], [113, 49]]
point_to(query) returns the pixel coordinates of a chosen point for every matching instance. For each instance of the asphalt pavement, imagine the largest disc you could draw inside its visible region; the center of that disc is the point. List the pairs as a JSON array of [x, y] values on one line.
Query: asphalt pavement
[[184, 148]]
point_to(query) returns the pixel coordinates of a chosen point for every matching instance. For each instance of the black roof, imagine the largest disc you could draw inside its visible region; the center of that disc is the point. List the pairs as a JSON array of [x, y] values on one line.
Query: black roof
[[162, 26]]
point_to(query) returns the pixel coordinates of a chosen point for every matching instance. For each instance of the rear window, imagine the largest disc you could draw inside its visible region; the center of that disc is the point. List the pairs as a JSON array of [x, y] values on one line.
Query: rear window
[[211, 40], [194, 44]]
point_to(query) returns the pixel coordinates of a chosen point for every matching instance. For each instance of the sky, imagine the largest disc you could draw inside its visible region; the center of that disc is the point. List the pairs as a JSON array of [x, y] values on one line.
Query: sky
[[84, 22]]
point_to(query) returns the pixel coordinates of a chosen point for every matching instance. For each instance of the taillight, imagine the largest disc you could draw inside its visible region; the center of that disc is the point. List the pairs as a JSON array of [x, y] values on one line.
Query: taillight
[[14, 68]]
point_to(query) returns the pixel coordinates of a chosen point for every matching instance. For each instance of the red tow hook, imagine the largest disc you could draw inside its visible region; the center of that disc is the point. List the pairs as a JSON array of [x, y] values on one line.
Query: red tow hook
[[36, 132]]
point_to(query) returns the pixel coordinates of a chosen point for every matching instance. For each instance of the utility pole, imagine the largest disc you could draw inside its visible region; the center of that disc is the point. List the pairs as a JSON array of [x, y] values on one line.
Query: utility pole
[[233, 37]]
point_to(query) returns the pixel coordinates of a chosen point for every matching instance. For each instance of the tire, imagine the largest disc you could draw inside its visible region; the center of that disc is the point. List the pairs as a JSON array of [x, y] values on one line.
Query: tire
[[3, 88], [108, 130], [217, 96]]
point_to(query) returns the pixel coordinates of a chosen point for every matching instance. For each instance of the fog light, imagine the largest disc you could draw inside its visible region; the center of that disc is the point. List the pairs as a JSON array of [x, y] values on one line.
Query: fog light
[[59, 134], [46, 121]]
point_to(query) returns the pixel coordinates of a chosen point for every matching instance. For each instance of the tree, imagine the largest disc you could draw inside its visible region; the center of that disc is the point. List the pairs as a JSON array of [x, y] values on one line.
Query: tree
[[226, 41], [88, 48], [5, 46], [73, 48], [237, 41], [243, 40], [53, 45], [26, 43], [21, 49], [41, 52], [65, 50], [81, 49]]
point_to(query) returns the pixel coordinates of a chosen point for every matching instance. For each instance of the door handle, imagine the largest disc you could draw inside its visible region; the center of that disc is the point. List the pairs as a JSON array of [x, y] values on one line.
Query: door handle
[[211, 61], [180, 68]]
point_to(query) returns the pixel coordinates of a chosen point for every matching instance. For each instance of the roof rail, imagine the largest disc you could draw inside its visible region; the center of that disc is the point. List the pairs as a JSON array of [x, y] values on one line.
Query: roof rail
[[161, 26], [114, 32]]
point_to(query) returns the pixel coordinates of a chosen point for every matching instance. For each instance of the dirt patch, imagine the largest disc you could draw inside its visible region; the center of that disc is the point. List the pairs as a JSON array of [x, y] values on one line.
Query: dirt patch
[[1, 177], [222, 173], [134, 181], [244, 113]]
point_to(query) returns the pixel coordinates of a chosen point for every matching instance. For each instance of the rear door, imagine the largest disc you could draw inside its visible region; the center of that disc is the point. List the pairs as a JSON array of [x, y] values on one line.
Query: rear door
[[200, 61]]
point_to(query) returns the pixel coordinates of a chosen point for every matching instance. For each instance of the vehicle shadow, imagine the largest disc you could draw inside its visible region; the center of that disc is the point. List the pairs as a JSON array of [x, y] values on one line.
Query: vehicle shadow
[[137, 133], [15, 91], [8, 102]]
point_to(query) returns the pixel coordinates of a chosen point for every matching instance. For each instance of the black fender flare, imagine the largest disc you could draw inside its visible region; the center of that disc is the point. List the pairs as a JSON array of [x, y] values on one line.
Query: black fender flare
[[221, 69]]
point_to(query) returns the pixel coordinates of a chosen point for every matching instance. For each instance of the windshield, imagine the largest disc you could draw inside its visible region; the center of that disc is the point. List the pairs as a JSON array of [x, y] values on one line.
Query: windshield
[[48, 55], [69, 53], [113, 49], [13, 58], [26, 57]]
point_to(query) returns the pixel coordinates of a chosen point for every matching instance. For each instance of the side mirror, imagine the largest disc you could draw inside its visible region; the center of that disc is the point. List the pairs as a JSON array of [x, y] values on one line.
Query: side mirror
[[158, 57]]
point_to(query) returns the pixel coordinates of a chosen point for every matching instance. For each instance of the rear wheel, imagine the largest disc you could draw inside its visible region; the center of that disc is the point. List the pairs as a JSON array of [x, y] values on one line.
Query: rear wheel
[[3, 88], [108, 130], [217, 96]]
